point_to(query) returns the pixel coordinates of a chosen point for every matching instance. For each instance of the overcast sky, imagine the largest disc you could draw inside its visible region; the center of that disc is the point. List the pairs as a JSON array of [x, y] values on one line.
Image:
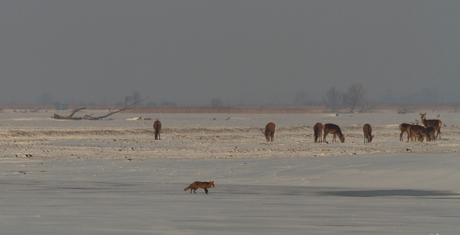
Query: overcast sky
[[243, 52]]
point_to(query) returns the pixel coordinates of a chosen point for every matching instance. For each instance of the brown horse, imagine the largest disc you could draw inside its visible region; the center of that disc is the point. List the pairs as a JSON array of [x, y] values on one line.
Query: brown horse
[[333, 129], [318, 131], [418, 132], [432, 133], [157, 129], [269, 131], [367, 129], [435, 123], [404, 127]]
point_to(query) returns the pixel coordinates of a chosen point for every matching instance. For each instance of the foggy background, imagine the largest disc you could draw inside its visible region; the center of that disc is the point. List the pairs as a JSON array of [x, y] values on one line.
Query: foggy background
[[235, 52]]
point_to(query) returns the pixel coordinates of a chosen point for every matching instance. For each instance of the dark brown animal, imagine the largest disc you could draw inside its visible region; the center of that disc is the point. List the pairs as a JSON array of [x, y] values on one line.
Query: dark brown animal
[[318, 131], [404, 127], [435, 123], [269, 131], [333, 129], [418, 132], [367, 129], [432, 132], [197, 184], [157, 129]]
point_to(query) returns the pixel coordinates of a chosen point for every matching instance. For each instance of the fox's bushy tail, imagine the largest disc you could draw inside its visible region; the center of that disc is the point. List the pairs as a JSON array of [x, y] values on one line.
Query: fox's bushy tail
[[189, 187]]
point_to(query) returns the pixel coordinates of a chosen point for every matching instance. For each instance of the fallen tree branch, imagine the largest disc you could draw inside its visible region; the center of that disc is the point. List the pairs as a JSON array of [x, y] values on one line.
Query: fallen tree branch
[[90, 117], [76, 110], [57, 116]]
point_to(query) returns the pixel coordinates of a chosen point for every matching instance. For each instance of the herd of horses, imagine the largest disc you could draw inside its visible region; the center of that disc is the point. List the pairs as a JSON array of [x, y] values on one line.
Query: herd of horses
[[430, 130]]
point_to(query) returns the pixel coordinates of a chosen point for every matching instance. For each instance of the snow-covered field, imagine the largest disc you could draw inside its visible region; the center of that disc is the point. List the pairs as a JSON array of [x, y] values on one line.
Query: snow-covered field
[[112, 177]]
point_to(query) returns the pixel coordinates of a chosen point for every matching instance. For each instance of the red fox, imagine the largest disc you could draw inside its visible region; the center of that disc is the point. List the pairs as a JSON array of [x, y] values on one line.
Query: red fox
[[197, 184]]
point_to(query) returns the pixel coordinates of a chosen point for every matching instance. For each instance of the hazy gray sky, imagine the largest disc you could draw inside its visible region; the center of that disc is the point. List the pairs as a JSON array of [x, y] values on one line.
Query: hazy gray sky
[[250, 52]]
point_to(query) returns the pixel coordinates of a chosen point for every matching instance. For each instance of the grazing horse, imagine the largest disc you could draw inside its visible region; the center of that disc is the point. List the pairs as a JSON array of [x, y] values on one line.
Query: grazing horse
[[318, 131], [435, 123], [157, 129], [432, 132], [333, 129], [269, 131], [404, 127], [418, 132], [367, 129]]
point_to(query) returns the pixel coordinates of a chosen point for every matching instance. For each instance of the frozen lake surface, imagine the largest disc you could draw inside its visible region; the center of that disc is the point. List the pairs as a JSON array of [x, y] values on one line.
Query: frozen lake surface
[[112, 177]]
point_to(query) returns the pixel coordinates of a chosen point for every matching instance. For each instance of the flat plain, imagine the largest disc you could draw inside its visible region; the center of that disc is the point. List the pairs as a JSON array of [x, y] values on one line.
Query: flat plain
[[112, 177]]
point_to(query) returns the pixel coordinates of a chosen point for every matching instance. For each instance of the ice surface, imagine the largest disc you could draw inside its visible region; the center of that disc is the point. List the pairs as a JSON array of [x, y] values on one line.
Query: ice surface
[[112, 177]]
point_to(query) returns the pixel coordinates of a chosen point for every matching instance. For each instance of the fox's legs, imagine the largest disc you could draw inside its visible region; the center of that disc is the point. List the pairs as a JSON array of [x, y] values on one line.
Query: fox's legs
[[194, 190]]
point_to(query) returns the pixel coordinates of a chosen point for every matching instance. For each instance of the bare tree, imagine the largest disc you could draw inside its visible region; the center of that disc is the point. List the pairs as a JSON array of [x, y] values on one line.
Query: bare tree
[[429, 95], [167, 103], [355, 96], [136, 96], [333, 99], [45, 99], [301, 98], [216, 102]]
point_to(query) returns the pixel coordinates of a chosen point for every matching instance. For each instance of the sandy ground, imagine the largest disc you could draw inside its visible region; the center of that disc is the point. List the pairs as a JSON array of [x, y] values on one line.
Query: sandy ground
[[112, 177]]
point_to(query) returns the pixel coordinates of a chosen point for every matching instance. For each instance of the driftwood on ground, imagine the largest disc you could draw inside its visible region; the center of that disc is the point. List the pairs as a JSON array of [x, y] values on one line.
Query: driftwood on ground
[[405, 110], [90, 117]]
